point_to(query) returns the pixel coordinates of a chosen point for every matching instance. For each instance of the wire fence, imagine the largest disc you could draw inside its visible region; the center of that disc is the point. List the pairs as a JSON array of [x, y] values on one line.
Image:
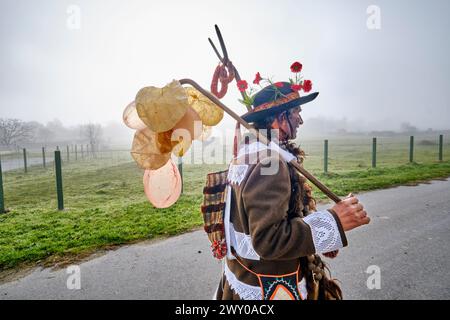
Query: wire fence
[[26, 159], [332, 154]]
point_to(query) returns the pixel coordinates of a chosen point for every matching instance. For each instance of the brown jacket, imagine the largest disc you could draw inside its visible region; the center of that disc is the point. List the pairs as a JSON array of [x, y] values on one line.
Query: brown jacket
[[260, 232]]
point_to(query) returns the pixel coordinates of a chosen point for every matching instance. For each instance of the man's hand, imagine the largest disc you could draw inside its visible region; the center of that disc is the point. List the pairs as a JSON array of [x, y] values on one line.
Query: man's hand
[[351, 213]]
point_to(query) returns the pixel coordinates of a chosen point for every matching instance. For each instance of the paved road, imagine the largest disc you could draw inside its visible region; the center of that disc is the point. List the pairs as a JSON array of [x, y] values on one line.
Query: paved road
[[408, 239]]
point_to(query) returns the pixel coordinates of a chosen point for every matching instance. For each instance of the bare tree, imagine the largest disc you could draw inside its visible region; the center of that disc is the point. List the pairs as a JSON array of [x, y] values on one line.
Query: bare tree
[[13, 131], [93, 133]]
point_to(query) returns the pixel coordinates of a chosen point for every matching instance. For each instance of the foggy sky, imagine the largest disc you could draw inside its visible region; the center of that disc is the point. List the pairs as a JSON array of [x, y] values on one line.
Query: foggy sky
[[374, 78]]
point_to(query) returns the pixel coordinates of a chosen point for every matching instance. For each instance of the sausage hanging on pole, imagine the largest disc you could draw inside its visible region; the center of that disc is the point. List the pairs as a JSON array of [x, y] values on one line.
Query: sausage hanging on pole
[[225, 63]]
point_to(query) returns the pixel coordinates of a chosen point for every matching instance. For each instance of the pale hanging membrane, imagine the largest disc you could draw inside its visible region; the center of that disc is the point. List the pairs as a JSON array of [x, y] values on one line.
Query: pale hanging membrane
[[147, 151], [163, 186], [161, 108], [131, 117], [206, 109], [186, 130]]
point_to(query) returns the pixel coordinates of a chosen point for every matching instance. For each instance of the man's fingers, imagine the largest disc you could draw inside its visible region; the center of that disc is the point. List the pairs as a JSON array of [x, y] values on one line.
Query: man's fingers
[[351, 200]]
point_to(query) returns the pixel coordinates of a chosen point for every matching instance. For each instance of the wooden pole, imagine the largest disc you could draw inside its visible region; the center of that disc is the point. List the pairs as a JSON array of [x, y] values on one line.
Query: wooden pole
[[374, 152], [263, 139], [59, 186], [180, 169], [2, 198], [25, 160], [43, 157]]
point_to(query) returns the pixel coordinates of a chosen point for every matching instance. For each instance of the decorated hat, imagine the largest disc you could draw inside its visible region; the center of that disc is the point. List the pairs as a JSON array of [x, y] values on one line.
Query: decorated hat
[[274, 99]]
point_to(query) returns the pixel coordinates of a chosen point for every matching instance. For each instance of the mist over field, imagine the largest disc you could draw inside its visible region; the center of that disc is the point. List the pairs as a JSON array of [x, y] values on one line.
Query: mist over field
[[83, 62]]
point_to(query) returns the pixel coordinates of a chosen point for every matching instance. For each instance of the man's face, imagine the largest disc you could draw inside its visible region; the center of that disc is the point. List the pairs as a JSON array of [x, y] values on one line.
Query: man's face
[[295, 120]]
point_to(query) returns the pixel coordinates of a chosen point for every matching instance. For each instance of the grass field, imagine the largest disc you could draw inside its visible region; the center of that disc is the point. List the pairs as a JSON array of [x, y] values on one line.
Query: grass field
[[106, 206]]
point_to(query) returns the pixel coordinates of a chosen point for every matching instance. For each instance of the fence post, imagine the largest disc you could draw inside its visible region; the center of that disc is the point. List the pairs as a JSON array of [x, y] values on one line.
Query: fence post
[[43, 157], [2, 198], [76, 152], [180, 169], [374, 152], [25, 160], [59, 186], [441, 145], [325, 156], [82, 153], [68, 154], [411, 148]]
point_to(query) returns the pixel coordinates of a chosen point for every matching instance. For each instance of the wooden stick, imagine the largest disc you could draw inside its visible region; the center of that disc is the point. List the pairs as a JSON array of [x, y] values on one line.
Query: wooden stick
[[263, 139]]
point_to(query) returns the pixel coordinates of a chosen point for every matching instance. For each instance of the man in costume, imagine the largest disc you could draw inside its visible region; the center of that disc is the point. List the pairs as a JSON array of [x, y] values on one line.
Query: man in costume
[[273, 233]]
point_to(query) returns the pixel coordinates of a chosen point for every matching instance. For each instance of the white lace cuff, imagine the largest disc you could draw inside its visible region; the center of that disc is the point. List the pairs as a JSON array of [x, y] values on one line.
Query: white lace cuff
[[325, 231]]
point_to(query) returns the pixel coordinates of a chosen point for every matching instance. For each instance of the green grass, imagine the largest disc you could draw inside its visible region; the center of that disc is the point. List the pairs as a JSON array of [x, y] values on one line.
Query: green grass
[[106, 206], [103, 207]]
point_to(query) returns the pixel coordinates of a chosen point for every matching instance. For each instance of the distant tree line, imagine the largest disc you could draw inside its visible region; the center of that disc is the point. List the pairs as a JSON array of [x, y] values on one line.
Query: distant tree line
[[15, 132]]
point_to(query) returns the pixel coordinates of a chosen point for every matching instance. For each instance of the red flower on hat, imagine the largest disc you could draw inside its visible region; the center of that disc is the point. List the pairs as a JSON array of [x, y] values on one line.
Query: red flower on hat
[[296, 87], [279, 84], [296, 67], [242, 85], [307, 85], [257, 78]]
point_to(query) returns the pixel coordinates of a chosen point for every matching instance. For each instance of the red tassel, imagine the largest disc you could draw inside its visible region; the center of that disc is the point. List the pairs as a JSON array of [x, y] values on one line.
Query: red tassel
[[219, 249]]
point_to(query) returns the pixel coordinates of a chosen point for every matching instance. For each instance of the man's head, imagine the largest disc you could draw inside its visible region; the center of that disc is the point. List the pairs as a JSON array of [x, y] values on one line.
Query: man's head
[[286, 123], [278, 106]]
